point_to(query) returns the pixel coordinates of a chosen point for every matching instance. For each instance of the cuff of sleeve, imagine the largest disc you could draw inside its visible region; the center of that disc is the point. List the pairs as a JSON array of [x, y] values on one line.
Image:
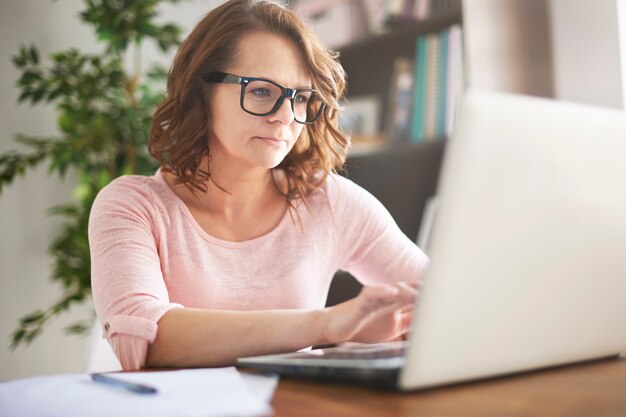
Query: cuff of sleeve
[[129, 336], [129, 325]]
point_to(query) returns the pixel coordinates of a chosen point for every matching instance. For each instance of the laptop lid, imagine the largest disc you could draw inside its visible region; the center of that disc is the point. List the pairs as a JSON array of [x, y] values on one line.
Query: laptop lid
[[527, 264], [528, 248]]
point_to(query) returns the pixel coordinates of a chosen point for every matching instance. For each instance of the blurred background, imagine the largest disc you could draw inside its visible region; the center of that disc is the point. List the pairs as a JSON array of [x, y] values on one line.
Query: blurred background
[[566, 49]]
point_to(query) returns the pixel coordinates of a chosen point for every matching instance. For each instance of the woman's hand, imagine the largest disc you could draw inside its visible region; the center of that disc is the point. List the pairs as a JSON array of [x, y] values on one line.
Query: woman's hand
[[390, 327], [377, 314]]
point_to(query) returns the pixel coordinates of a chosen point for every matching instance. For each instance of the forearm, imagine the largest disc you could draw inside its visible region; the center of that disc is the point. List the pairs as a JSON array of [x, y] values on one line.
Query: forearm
[[196, 338]]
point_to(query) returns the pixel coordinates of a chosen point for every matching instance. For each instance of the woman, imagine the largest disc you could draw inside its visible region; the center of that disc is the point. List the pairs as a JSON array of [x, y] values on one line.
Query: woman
[[229, 249]]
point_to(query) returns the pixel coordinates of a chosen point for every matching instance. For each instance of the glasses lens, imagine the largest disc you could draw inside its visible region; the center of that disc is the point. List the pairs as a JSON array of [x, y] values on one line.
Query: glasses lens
[[260, 98], [307, 106]]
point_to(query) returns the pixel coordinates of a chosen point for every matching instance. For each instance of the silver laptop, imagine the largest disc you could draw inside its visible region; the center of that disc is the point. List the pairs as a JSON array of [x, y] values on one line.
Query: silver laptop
[[528, 252]]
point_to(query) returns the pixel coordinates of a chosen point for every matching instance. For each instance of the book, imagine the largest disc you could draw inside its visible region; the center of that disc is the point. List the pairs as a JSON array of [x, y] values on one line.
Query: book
[[443, 84], [431, 101], [400, 100], [455, 75], [419, 90], [438, 85]]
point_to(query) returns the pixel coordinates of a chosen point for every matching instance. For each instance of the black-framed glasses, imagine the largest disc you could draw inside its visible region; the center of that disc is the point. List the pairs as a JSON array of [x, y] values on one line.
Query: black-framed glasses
[[261, 97]]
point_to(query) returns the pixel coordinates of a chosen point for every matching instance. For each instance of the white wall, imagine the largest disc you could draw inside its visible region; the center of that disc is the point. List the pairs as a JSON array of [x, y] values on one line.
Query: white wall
[[25, 229], [621, 19], [567, 49], [586, 51], [507, 46]]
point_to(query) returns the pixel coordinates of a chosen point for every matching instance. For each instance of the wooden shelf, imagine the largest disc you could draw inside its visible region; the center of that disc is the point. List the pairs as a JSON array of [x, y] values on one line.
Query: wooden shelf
[[366, 148], [402, 31]]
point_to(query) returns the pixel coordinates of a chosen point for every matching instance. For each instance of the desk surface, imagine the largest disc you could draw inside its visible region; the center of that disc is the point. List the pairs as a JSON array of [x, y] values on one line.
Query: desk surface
[[585, 390]]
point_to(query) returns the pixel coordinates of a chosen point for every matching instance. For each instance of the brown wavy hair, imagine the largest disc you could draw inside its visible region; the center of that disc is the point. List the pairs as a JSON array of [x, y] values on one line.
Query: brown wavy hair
[[178, 138]]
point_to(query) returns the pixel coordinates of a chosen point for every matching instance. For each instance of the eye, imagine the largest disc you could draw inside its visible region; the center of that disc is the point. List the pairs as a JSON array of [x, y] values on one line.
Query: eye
[[303, 98], [262, 92]]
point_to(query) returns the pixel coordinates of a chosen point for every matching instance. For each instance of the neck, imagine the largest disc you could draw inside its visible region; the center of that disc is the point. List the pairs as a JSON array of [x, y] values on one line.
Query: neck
[[232, 194], [238, 195]]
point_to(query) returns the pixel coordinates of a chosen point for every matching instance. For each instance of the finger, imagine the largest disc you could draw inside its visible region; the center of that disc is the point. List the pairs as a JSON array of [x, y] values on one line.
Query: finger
[[402, 327], [377, 301], [375, 297], [406, 294], [405, 321], [406, 287], [402, 338], [408, 309], [414, 284]]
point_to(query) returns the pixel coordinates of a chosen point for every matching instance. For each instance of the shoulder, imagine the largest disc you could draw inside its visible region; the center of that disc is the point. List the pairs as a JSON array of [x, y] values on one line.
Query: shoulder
[[131, 195], [127, 188], [345, 200], [341, 191]]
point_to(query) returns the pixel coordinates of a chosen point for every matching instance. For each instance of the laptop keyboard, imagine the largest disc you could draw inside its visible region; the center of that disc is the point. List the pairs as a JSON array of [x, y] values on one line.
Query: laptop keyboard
[[360, 352]]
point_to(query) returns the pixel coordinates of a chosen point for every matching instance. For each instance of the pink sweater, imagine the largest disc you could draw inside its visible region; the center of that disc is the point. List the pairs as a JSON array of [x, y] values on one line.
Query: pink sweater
[[149, 255]]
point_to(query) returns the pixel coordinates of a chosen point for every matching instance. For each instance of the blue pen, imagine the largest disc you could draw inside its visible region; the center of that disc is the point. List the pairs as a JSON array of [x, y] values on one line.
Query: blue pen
[[119, 383]]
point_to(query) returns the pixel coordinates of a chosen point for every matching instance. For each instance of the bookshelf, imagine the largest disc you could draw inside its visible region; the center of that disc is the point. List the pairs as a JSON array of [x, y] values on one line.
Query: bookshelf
[[369, 62]]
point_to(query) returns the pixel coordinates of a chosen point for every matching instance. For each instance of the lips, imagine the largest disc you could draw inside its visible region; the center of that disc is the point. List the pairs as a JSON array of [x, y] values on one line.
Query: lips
[[273, 140]]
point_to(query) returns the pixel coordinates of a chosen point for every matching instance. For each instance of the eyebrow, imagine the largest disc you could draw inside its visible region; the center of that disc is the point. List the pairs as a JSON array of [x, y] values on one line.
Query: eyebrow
[[309, 86]]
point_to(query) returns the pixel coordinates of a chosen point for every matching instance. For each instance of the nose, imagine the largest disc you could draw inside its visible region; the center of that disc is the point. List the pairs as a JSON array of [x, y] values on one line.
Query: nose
[[284, 114]]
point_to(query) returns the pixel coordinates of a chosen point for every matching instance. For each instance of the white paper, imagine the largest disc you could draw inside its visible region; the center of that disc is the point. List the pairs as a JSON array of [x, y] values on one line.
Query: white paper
[[192, 393], [261, 386]]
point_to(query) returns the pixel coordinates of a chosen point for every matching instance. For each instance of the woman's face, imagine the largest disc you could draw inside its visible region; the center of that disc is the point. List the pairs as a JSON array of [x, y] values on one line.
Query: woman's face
[[240, 140]]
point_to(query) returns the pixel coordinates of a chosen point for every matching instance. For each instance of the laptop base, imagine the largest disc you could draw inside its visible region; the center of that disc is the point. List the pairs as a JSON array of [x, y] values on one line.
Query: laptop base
[[384, 379]]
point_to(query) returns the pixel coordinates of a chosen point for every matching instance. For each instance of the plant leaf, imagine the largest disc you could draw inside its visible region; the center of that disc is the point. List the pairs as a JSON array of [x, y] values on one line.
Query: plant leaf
[[103, 118]]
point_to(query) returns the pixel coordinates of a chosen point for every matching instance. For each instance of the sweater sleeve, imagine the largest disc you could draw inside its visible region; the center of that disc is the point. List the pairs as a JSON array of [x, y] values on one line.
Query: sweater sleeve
[[128, 288], [372, 246]]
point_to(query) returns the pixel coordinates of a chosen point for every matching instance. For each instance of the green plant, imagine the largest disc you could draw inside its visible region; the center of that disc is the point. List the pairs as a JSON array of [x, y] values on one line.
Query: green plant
[[104, 116]]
